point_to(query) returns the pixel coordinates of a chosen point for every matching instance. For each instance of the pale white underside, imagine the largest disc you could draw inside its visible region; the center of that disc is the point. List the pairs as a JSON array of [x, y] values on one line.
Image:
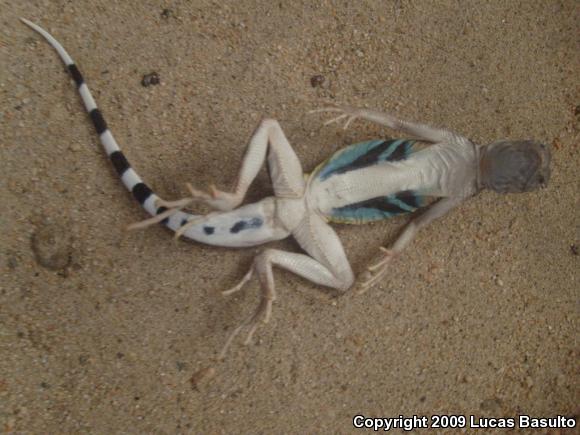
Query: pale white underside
[[441, 170]]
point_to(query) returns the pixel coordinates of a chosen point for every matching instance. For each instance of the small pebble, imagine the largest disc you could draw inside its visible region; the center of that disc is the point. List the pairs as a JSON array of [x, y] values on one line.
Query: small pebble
[[317, 81], [150, 79]]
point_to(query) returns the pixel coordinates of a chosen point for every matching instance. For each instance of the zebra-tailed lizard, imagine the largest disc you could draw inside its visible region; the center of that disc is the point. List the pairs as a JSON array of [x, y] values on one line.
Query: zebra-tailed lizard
[[364, 182]]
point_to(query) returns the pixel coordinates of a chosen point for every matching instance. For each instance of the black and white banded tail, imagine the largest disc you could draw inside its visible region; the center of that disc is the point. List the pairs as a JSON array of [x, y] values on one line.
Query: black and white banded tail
[[141, 192]]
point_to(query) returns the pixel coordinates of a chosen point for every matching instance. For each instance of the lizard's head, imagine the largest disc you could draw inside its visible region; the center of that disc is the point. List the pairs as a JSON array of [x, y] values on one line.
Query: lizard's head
[[514, 166]]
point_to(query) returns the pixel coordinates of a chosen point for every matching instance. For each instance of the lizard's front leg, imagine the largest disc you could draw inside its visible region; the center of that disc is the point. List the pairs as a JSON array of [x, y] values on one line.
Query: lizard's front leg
[[420, 131], [379, 269], [285, 168]]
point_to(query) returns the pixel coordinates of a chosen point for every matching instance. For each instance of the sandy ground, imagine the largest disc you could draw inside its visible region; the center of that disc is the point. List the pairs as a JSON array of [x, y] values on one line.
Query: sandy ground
[[479, 317]]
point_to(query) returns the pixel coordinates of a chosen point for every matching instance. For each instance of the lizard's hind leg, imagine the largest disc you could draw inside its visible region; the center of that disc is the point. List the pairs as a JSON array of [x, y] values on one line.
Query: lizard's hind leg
[[267, 141], [326, 264], [287, 176]]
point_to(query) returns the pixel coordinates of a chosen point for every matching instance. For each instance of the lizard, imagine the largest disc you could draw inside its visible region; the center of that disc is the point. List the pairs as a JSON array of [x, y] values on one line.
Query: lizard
[[365, 182]]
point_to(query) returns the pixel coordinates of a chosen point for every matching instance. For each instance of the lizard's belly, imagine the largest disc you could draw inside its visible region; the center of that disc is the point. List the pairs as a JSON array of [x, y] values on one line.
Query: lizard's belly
[[384, 188], [372, 193]]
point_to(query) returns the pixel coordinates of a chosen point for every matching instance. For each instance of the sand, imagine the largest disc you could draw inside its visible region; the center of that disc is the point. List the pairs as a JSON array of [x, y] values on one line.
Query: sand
[[102, 330]]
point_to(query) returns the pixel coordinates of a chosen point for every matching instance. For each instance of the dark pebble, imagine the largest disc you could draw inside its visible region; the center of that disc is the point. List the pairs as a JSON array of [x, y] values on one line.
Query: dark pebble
[[150, 79], [317, 81]]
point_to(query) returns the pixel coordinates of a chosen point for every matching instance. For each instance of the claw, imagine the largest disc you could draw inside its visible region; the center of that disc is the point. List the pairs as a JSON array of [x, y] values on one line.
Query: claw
[[248, 339], [373, 280], [338, 118], [345, 112], [325, 109], [381, 264], [378, 270], [348, 121]]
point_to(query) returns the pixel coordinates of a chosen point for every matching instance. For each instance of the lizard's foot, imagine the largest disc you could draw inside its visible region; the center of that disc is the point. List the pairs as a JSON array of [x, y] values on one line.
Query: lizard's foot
[[345, 113], [252, 322], [216, 199], [171, 207], [378, 270], [264, 309]]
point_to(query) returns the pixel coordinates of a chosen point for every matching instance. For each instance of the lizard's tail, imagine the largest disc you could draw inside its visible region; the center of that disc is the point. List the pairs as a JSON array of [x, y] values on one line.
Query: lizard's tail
[[141, 192]]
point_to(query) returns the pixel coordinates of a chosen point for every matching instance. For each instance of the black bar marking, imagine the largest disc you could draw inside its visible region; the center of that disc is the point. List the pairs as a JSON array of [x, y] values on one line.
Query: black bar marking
[[76, 74], [98, 121], [209, 230], [410, 198], [380, 203], [141, 192], [119, 162], [368, 159], [161, 210], [244, 225], [373, 156], [400, 153]]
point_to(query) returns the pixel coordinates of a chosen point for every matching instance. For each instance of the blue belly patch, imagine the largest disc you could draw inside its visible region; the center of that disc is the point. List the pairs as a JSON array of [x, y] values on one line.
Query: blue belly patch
[[255, 222], [366, 154], [379, 208]]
